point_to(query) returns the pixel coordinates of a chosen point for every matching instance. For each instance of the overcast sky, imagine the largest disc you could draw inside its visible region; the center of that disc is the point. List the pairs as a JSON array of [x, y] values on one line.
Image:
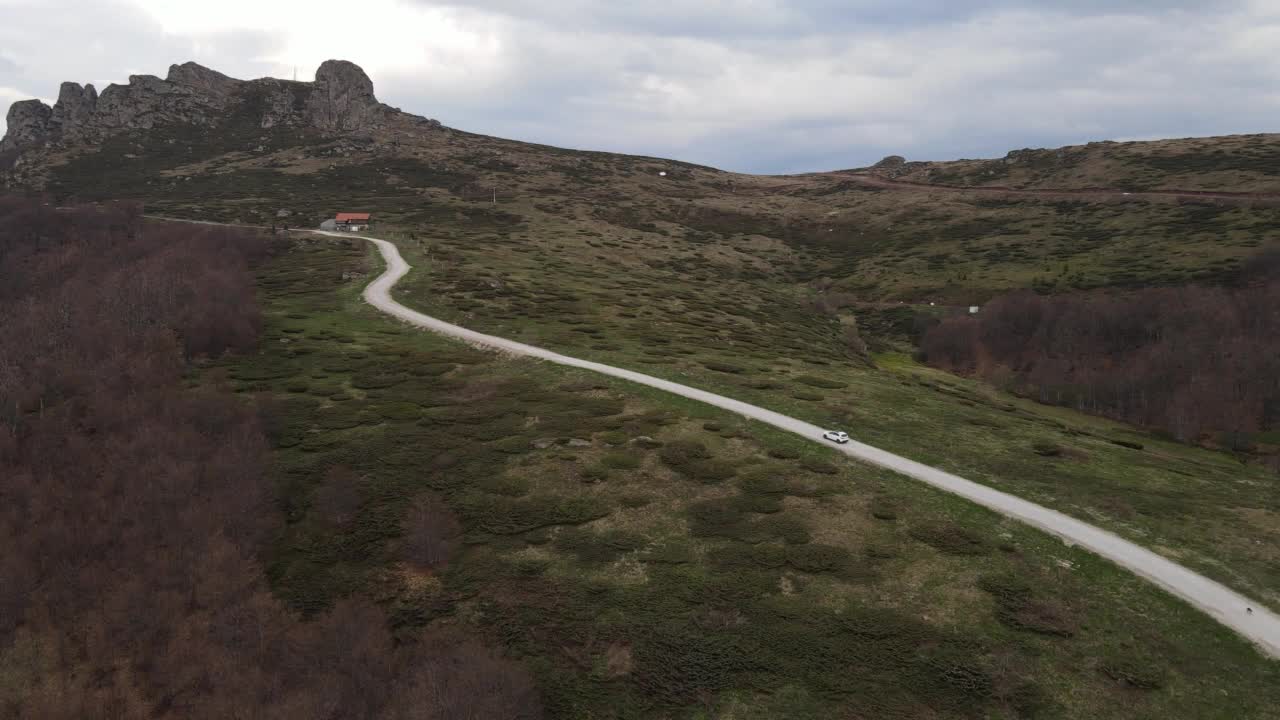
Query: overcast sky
[[750, 85]]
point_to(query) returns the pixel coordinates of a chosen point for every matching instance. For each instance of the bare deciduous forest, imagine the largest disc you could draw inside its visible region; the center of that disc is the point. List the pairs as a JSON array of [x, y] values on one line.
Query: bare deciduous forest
[[1201, 363], [133, 506]]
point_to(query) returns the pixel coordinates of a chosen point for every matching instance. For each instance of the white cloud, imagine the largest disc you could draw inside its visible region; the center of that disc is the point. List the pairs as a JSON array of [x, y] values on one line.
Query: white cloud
[[764, 85]]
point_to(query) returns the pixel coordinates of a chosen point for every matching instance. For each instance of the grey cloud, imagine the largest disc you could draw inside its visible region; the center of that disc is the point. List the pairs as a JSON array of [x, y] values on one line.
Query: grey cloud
[[934, 80], [765, 85], [105, 42], [764, 18]]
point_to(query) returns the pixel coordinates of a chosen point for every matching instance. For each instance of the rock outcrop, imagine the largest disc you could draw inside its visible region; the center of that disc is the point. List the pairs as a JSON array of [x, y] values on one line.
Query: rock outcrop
[[343, 99], [29, 124], [75, 105], [340, 101]]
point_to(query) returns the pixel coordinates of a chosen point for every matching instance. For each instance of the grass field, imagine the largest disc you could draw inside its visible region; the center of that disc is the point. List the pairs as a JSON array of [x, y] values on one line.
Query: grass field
[[646, 556], [762, 341], [1245, 163]]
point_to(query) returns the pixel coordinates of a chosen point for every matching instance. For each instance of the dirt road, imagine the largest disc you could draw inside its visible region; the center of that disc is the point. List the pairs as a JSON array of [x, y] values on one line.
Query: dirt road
[[1223, 604]]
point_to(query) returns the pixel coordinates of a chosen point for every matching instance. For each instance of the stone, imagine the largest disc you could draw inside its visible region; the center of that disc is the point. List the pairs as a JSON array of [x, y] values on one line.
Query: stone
[[892, 161], [209, 83], [283, 213], [578, 443], [342, 98], [543, 443], [29, 122], [75, 107]]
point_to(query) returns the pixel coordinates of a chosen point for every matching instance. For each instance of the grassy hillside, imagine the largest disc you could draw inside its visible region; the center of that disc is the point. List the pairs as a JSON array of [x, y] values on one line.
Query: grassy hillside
[[769, 288], [872, 243], [645, 556], [1236, 163], [773, 348]]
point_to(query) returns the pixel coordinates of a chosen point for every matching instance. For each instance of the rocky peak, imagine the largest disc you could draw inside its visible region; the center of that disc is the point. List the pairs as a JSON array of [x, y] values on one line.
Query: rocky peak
[[201, 79], [340, 101], [75, 105], [29, 122], [343, 98]]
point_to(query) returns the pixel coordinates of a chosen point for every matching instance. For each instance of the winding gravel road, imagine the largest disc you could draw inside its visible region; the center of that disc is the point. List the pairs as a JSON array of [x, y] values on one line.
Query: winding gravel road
[[1223, 604]]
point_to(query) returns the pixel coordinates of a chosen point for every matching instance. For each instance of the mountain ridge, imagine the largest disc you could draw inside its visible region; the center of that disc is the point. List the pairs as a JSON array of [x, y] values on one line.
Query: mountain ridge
[[340, 99]]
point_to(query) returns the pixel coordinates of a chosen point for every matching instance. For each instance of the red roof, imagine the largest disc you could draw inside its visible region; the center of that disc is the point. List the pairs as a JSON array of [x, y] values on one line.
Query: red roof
[[352, 217]]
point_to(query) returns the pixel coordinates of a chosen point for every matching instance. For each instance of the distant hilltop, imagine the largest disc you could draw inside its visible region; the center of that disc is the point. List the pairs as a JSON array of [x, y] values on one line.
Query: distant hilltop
[[339, 101]]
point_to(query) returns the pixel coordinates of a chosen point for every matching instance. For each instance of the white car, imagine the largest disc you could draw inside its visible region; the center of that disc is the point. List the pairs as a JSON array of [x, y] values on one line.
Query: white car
[[836, 436]]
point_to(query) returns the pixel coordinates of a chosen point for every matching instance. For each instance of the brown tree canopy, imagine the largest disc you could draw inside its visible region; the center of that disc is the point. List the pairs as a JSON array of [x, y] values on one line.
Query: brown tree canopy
[[132, 509], [1194, 361]]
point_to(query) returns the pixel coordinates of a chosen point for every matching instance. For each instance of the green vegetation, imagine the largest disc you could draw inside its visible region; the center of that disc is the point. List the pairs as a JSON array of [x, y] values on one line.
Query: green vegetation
[[784, 586], [1204, 509]]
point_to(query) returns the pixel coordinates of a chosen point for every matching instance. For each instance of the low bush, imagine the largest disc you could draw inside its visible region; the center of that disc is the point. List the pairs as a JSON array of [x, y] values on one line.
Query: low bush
[[814, 381], [1018, 606], [709, 471], [816, 558], [620, 461], [951, 539], [1047, 449], [821, 467], [681, 453], [787, 528], [723, 367]]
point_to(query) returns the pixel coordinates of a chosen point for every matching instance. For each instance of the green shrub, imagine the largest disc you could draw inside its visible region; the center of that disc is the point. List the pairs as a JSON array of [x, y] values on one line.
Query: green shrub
[[951, 539], [818, 382], [763, 485], [670, 552], [1018, 607], [634, 500], [783, 453], [883, 509], [769, 556], [399, 411], [1135, 671], [680, 453], [808, 396], [789, 529], [620, 461], [723, 367], [816, 558], [1047, 449], [715, 518], [375, 380], [709, 471], [504, 485], [594, 474], [763, 504], [821, 467]]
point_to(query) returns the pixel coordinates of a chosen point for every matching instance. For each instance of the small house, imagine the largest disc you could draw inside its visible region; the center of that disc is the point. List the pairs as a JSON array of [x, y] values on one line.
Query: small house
[[352, 222]]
